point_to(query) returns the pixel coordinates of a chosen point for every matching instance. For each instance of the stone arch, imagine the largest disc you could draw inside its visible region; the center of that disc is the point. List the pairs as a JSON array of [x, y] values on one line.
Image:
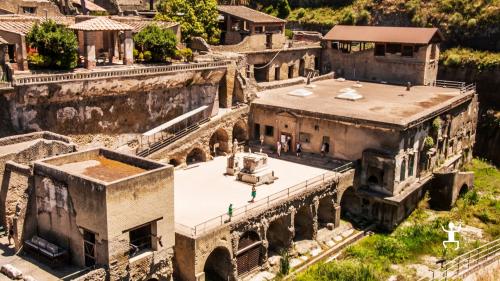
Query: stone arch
[[249, 252], [326, 210], [174, 162], [463, 189], [278, 235], [218, 266], [303, 223], [349, 203], [240, 131], [196, 155], [219, 142], [152, 279]]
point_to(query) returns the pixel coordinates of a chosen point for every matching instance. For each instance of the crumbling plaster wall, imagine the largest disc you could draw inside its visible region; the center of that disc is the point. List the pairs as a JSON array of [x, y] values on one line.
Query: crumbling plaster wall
[[347, 141], [115, 105]]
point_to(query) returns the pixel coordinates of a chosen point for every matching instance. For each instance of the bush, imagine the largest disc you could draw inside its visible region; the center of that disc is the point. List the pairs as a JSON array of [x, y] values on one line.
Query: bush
[[283, 9], [284, 263], [56, 45], [461, 57], [428, 143], [289, 34], [391, 248], [159, 43], [300, 13]]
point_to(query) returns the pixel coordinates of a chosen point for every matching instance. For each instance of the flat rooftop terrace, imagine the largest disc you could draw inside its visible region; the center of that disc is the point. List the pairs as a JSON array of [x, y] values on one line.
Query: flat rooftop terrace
[[203, 192], [380, 103], [102, 168], [105, 166]]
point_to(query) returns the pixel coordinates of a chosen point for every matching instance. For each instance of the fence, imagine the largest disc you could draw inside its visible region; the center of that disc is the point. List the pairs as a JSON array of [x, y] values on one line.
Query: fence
[[464, 88], [103, 74], [264, 203], [467, 262]]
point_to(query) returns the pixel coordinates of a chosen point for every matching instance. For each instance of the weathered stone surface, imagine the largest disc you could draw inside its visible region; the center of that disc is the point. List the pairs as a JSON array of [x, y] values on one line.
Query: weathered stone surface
[[11, 271], [95, 275], [305, 246]]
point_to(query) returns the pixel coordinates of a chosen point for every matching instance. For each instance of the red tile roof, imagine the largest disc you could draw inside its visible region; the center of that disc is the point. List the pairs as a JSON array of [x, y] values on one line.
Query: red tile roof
[[100, 24], [384, 34], [248, 14]]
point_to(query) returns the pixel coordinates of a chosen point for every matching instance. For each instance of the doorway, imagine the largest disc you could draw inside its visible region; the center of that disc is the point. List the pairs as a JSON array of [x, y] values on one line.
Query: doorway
[[291, 69], [269, 41], [277, 71], [326, 141], [89, 248]]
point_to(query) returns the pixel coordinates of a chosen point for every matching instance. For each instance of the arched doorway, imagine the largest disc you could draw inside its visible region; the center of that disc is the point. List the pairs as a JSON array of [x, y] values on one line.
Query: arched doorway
[[219, 142], [464, 189], [278, 235], [195, 155], [249, 250], [240, 131], [350, 204], [218, 265], [303, 223], [326, 211], [174, 162]]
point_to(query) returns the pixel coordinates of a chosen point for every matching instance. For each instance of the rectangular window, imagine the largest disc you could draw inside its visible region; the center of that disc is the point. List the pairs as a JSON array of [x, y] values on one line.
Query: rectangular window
[[335, 45], [393, 48], [269, 132], [407, 51], [402, 174], [140, 240], [29, 10], [305, 137], [259, 29], [379, 49]]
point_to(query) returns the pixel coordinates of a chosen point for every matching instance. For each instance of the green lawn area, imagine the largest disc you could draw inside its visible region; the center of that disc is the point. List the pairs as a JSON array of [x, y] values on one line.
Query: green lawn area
[[420, 235]]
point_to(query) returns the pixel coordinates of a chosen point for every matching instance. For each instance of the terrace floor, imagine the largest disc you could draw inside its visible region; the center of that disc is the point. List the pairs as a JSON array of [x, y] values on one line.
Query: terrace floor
[[203, 192]]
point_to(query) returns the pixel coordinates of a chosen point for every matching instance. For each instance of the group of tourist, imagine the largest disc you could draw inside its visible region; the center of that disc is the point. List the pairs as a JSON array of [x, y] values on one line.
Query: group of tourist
[[285, 144]]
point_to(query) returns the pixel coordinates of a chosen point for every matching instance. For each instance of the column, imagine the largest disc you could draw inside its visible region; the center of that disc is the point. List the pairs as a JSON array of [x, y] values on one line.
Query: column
[[4, 52], [128, 56], [22, 54], [336, 214], [89, 45]]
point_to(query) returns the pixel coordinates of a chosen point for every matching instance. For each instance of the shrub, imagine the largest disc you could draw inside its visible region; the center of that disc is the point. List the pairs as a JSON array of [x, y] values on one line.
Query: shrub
[[471, 197], [186, 54], [428, 143], [196, 17], [436, 124], [159, 42], [284, 263], [56, 45], [391, 248], [301, 13], [288, 33], [283, 9]]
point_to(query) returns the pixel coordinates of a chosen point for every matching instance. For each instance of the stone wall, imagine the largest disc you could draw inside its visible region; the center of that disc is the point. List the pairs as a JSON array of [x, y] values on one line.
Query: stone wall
[[16, 7], [114, 105], [16, 177], [254, 42], [192, 254], [364, 65]]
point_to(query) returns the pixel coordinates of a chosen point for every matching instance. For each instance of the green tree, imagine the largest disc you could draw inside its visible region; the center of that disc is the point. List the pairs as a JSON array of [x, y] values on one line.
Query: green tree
[[155, 43], [197, 17], [283, 9], [56, 45]]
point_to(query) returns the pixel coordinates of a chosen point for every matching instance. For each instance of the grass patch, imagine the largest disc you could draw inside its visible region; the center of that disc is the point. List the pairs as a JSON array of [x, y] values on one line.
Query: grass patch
[[421, 234]]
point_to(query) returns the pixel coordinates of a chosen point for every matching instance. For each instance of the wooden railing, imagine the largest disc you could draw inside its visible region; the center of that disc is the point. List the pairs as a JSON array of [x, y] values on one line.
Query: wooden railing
[[34, 79]]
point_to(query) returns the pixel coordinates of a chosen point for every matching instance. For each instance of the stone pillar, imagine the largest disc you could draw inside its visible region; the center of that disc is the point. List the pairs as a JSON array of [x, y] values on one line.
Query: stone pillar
[[22, 54], [116, 45], [4, 58], [291, 227], [336, 214], [314, 212], [89, 45], [128, 57]]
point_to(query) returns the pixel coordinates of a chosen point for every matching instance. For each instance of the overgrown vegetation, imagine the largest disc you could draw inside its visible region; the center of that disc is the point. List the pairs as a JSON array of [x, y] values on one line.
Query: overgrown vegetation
[[464, 22], [421, 234], [154, 44], [197, 17], [56, 46], [462, 57]]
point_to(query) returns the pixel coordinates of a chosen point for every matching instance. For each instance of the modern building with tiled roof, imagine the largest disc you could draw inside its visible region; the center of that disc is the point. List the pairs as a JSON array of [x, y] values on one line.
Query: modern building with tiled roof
[[240, 22], [399, 55]]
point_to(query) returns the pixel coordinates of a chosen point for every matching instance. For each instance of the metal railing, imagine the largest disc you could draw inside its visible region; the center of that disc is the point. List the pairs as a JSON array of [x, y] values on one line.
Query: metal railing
[[264, 203], [465, 263], [462, 86], [110, 73]]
